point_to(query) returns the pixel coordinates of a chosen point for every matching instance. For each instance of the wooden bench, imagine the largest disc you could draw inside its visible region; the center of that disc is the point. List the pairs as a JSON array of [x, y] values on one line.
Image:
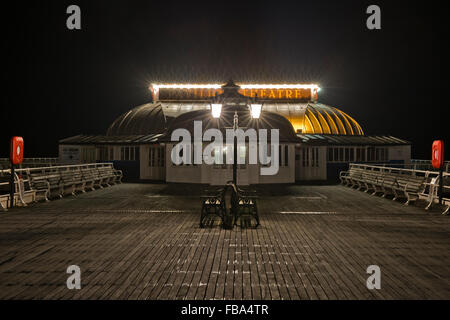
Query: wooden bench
[[55, 187], [23, 193], [413, 188], [106, 175], [45, 183], [79, 183], [350, 178], [90, 178], [408, 187], [98, 180], [67, 183], [72, 181], [4, 200], [377, 182], [118, 175], [370, 180], [430, 193], [40, 184], [399, 184]]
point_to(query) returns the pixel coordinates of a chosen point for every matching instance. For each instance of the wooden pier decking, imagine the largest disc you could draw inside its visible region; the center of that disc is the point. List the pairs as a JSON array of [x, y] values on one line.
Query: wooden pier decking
[[142, 241]]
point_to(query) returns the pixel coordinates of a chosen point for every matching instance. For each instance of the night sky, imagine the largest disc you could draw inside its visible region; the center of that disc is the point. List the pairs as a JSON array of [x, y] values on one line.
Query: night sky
[[59, 83]]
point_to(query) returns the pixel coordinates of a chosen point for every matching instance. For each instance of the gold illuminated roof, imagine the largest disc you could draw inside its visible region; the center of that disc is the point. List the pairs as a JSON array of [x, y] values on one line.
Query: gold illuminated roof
[[316, 118], [306, 118]]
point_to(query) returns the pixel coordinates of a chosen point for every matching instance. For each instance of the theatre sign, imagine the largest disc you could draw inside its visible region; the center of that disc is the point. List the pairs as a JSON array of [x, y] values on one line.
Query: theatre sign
[[168, 92]]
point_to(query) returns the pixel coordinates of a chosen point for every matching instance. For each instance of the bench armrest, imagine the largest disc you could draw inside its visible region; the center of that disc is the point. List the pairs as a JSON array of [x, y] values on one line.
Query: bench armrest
[[343, 173]]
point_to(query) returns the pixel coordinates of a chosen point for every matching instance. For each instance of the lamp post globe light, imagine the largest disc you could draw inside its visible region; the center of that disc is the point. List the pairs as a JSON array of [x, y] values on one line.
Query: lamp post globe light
[[229, 98]]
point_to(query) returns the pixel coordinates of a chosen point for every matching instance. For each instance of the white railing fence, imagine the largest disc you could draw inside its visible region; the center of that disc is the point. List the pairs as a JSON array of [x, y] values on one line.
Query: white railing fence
[[22, 176], [430, 193], [424, 165], [29, 162]]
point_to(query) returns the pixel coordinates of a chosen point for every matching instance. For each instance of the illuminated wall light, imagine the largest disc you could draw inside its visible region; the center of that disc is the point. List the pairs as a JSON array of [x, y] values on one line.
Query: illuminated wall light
[[255, 110], [243, 86], [216, 109], [186, 86], [279, 86]]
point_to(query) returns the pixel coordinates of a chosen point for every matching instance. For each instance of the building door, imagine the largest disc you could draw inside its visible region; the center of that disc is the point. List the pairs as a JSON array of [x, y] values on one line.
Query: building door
[[222, 172]]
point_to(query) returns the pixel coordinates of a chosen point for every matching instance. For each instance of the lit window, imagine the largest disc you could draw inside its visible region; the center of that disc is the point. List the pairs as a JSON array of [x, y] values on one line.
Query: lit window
[[255, 110], [242, 154], [216, 109]]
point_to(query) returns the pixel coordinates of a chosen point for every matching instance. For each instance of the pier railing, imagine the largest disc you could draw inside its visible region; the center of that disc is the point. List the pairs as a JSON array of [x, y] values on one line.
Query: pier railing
[[431, 178], [30, 162], [424, 165], [30, 184]]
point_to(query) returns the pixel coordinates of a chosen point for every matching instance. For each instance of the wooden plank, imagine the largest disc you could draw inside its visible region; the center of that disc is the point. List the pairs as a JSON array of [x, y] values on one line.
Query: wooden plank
[[130, 246]]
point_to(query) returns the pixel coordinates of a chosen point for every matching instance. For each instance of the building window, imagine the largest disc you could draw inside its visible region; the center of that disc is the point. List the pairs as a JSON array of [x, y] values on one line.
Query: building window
[[306, 157], [129, 153], [151, 157], [280, 163], [316, 150], [104, 153], [217, 155], [242, 154], [194, 149], [162, 157], [88, 155], [156, 157], [286, 155], [303, 157], [371, 154], [263, 158]]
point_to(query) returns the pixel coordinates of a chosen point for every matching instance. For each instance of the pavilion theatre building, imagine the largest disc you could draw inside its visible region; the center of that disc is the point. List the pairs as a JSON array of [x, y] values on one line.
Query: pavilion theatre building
[[316, 141]]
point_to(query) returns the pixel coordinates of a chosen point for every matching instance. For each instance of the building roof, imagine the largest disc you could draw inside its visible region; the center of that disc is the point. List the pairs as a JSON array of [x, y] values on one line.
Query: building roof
[[100, 140], [316, 118], [309, 118], [314, 139], [145, 119], [351, 140], [267, 120]]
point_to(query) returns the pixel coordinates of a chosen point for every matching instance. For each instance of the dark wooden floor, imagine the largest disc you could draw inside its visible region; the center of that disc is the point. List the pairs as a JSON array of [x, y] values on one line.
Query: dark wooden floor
[[142, 241]]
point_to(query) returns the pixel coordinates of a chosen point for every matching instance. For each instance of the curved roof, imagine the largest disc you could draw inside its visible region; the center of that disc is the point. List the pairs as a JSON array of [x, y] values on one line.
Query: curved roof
[[305, 118], [317, 118], [145, 119], [267, 120]]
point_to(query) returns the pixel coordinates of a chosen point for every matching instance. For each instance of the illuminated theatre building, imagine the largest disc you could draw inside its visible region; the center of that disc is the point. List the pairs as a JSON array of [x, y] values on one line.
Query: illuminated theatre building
[[316, 141]]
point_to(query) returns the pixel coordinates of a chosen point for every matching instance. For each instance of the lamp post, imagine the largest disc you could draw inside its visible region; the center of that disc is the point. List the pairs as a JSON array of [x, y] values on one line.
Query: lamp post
[[235, 127], [230, 96]]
